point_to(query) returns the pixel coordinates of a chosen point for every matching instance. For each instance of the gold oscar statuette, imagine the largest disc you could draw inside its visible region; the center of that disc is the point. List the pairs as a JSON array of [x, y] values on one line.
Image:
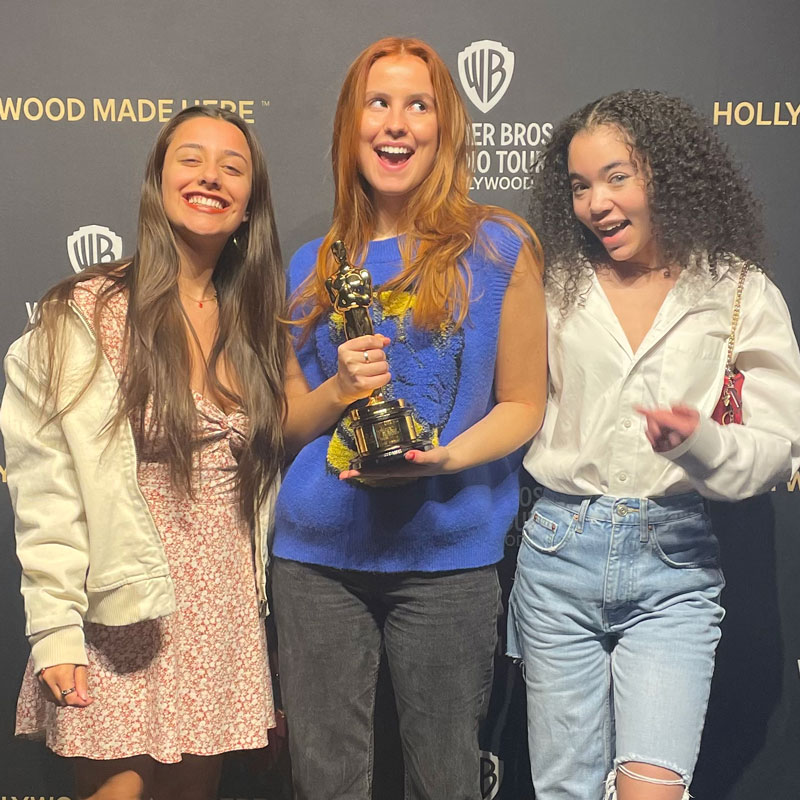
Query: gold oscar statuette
[[383, 429]]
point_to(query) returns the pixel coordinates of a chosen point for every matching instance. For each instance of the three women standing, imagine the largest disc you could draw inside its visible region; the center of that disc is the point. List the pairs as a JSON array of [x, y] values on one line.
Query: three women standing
[[153, 388]]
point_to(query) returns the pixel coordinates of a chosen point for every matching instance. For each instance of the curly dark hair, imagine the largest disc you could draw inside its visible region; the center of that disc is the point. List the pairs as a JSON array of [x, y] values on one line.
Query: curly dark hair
[[699, 200]]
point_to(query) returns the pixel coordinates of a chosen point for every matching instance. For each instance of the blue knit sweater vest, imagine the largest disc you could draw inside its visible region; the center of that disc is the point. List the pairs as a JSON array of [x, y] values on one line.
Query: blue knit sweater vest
[[429, 524]]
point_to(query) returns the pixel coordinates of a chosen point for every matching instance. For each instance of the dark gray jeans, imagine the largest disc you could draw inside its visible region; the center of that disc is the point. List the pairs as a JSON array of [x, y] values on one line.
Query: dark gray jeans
[[439, 633]]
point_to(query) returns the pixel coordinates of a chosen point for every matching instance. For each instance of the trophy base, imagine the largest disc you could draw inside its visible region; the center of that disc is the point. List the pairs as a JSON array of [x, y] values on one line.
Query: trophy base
[[384, 431], [377, 460]]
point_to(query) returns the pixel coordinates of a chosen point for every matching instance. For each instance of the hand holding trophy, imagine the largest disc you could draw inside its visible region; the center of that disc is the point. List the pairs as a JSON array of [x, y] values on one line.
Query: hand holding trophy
[[384, 430]]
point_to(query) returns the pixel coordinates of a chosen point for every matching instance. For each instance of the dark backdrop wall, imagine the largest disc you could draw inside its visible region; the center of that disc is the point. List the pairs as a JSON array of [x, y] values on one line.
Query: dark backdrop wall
[[84, 86]]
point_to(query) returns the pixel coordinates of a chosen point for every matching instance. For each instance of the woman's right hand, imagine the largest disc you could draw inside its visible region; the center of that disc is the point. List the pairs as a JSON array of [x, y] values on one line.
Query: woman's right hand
[[362, 367], [66, 685]]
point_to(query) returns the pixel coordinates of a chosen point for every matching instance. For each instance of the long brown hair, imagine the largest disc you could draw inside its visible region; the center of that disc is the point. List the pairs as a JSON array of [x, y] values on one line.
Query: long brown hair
[[440, 221], [249, 281]]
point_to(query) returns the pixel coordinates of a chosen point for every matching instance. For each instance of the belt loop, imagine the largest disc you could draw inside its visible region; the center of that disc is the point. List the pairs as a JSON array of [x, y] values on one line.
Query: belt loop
[[644, 529], [582, 514]]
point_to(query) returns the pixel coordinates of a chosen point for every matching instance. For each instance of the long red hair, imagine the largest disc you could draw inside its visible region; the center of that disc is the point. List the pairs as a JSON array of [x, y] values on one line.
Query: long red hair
[[440, 222]]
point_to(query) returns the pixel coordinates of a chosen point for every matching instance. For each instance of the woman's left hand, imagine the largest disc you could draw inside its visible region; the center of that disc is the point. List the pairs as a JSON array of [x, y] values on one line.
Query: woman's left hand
[[666, 428], [415, 464]]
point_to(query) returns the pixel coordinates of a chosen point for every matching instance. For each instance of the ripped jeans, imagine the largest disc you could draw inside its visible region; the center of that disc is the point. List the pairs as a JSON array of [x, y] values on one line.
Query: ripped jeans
[[615, 614]]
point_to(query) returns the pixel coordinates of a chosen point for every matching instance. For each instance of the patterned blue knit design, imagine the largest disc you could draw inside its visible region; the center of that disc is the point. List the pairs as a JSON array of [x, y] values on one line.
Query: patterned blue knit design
[[430, 524]]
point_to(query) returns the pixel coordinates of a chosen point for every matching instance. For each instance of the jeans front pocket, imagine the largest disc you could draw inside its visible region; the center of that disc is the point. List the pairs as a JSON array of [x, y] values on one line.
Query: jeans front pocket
[[687, 542], [549, 532]]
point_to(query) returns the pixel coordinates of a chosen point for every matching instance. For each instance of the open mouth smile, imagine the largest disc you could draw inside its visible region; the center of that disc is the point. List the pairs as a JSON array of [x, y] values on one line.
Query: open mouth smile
[[205, 203], [610, 230], [394, 155]]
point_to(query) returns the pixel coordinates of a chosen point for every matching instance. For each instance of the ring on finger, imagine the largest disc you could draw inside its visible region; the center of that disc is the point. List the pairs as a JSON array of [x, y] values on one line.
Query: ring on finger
[[366, 356], [65, 692]]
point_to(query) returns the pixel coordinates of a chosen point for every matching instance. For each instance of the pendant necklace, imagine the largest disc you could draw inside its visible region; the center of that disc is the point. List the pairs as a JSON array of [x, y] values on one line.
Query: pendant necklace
[[200, 302]]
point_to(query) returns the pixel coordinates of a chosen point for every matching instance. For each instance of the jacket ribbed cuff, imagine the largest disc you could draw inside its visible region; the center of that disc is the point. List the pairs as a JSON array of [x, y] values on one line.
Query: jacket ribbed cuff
[[59, 646]]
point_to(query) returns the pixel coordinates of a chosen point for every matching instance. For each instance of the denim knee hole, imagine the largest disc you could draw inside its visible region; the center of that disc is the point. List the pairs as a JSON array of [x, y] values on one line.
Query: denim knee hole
[[611, 782]]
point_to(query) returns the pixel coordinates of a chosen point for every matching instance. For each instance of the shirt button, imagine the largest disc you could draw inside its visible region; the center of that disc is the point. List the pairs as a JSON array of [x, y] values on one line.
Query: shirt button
[[626, 423], [623, 476]]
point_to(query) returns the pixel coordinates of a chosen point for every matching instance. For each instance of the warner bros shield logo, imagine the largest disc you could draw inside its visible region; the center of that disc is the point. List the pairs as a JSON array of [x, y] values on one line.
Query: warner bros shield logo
[[491, 775], [485, 69], [93, 244]]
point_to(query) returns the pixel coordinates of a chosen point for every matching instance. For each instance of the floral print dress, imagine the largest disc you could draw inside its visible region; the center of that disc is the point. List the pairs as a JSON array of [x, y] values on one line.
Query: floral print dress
[[197, 681]]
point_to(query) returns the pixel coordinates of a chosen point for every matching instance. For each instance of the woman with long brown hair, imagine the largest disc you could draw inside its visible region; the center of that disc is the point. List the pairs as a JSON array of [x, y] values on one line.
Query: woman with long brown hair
[[402, 561], [142, 425]]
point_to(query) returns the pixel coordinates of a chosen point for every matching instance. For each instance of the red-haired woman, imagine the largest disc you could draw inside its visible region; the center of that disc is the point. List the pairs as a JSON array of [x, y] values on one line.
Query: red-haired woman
[[404, 567]]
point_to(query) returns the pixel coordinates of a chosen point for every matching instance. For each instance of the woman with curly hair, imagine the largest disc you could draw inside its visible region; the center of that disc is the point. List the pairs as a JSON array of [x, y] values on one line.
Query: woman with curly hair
[[403, 562], [649, 234], [142, 421]]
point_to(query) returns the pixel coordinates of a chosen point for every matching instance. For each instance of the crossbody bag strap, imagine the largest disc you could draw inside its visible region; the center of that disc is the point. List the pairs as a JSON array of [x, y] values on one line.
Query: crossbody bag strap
[[737, 307]]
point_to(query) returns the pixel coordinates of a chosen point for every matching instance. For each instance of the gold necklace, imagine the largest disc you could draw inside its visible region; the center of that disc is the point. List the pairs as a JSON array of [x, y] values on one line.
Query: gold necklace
[[212, 299], [666, 272]]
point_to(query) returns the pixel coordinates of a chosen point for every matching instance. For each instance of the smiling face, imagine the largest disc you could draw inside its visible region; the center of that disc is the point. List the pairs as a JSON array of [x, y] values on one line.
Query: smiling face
[[609, 195], [205, 181], [399, 133]]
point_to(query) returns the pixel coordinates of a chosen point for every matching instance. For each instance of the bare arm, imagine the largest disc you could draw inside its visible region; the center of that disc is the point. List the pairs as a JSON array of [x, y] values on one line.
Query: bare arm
[[520, 373], [520, 385], [312, 412]]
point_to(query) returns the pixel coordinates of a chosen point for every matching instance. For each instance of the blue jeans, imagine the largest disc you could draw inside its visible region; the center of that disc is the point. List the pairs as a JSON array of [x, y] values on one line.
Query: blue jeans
[[615, 614], [439, 632]]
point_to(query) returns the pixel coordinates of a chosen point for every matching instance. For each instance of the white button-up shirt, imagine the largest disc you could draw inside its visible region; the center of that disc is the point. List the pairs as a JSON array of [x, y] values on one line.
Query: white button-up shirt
[[593, 441]]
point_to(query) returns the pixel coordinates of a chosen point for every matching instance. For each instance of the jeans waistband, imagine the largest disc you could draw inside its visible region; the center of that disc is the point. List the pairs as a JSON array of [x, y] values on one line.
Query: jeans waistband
[[629, 510]]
